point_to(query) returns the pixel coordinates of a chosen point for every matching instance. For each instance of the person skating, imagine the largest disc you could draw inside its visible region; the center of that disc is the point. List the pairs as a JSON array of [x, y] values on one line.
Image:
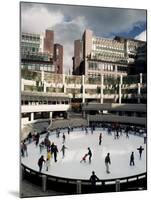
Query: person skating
[[132, 159], [22, 150], [48, 160], [37, 136], [84, 158], [63, 150], [41, 146], [89, 154], [64, 138], [100, 138], [140, 150], [40, 162], [107, 162], [25, 149], [55, 151]]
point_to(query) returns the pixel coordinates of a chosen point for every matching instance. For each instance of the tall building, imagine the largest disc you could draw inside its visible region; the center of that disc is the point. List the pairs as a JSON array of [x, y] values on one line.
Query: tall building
[[49, 42], [38, 52], [32, 55], [111, 57], [78, 56], [58, 58]]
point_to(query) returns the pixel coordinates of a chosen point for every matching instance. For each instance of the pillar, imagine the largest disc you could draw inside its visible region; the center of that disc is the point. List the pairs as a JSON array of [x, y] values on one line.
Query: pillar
[[22, 84], [64, 83], [42, 76], [44, 183], [32, 116], [102, 85], [138, 93], [117, 185], [120, 89], [141, 78], [83, 89], [78, 187], [45, 87]]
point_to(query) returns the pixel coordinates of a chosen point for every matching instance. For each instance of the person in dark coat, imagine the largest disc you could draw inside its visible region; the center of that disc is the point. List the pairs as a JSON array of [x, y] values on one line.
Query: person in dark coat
[[100, 138], [107, 162], [25, 149], [132, 159], [37, 136], [93, 178], [140, 150], [63, 150], [64, 138], [89, 154], [55, 151], [40, 162]]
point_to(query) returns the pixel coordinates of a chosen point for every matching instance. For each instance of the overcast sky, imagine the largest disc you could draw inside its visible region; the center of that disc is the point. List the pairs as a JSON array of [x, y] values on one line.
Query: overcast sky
[[69, 23]]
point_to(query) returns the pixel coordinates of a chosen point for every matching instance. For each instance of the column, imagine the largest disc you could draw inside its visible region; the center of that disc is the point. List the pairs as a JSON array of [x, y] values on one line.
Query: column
[[117, 186], [102, 85], [83, 89], [120, 90], [138, 92], [64, 83], [44, 86], [42, 76], [44, 183], [141, 78], [22, 84], [78, 187], [32, 117]]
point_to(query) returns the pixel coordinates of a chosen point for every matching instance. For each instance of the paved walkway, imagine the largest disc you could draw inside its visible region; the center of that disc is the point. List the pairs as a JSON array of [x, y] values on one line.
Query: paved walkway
[[31, 190]]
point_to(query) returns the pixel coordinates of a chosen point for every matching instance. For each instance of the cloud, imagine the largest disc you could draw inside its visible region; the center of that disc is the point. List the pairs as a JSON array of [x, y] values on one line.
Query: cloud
[[141, 36], [37, 18], [69, 22]]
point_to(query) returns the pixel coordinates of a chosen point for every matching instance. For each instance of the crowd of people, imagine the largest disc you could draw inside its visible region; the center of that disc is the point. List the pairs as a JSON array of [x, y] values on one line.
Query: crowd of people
[[52, 149]]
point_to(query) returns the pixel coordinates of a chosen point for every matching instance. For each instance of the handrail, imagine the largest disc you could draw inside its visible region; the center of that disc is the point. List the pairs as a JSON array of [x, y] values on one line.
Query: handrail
[[68, 180]]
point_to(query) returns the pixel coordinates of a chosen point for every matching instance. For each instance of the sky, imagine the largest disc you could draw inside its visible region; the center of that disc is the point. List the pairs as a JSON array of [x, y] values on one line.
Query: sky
[[69, 23]]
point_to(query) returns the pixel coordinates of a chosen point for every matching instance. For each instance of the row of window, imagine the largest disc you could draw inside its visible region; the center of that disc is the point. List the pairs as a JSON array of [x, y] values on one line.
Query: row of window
[[37, 67]]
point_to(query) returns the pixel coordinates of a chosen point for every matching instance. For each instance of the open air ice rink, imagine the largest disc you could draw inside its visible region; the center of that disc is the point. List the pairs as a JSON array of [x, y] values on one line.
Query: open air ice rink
[[77, 143]]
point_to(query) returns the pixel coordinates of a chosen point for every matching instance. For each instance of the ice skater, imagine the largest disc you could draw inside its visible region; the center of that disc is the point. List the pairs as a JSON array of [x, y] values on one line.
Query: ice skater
[[25, 149], [107, 162], [89, 154], [41, 146], [140, 150], [84, 158], [22, 150], [100, 138], [63, 150], [37, 136], [68, 130], [63, 138], [132, 159], [40, 163], [48, 160], [55, 151]]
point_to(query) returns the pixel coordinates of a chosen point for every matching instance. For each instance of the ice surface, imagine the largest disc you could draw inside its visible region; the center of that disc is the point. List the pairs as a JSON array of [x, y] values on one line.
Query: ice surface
[[78, 142]]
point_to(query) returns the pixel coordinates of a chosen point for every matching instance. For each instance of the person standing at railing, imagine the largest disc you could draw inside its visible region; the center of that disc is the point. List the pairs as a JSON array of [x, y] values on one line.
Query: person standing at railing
[[107, 162], [93, 179], [40, 163]]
